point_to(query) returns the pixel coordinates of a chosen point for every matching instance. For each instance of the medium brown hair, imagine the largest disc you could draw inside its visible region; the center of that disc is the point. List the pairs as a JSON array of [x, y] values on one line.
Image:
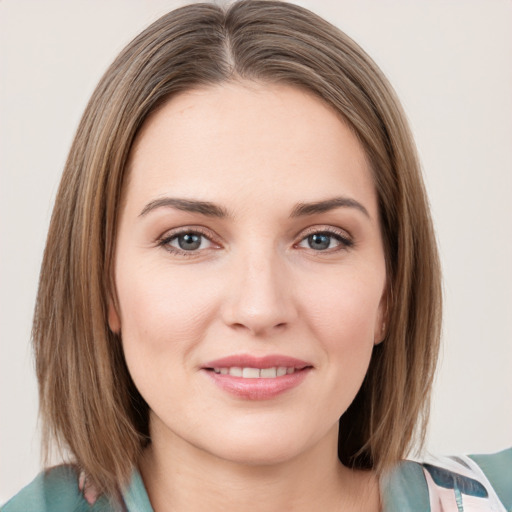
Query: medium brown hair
[[88, 401]]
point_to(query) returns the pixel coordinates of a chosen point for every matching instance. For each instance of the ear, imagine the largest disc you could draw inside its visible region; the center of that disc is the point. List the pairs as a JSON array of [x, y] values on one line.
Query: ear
[[381, 320], [114, 321]]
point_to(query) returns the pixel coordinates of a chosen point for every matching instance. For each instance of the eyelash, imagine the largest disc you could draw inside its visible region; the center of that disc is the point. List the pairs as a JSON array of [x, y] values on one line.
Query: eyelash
[[168, 238], [345, 241]]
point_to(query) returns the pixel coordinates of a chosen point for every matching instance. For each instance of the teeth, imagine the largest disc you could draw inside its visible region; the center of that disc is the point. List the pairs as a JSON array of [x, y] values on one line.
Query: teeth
[[251, 373], [255, 373], [268, 373], [236, 372]]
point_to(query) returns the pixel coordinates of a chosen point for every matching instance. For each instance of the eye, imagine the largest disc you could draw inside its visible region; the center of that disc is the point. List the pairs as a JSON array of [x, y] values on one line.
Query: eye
[[186, 242], [325, 241]]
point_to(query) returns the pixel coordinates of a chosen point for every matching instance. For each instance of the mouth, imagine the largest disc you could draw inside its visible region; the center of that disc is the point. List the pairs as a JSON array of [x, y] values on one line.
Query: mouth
[[257, 378], [256, 373]]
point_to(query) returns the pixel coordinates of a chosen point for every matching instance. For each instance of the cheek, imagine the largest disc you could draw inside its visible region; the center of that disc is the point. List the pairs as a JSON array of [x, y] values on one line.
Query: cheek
[[342, 317], [162, 312], [339, 311], [344, 309]]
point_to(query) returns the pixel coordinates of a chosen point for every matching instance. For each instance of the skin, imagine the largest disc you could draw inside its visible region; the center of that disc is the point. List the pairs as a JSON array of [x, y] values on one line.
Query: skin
[[255, 286]]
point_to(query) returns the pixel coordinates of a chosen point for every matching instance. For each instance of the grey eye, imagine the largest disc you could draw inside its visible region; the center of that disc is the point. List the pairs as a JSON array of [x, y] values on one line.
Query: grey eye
[[189, 241], [325, 240], [319, 241], [186, 242]]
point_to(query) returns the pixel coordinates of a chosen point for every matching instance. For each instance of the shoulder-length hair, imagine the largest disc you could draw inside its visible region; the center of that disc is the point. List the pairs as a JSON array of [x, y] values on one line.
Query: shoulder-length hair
[[89, 404]]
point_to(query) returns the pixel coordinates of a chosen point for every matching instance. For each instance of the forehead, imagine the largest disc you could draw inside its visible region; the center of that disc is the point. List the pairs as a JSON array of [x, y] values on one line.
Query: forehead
[[245, 140]]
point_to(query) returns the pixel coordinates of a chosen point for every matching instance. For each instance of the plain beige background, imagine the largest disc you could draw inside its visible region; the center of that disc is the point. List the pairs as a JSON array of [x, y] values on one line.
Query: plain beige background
[[451, 64]]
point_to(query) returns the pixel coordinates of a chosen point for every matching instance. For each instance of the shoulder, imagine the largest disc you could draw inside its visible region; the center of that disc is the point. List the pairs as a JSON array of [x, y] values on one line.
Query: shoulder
[[55, 490], [497, 468], [405, 488], [450, 483]]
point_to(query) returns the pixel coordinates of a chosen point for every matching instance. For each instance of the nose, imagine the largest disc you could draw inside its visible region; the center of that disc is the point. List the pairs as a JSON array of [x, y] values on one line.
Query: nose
[[260, 295]]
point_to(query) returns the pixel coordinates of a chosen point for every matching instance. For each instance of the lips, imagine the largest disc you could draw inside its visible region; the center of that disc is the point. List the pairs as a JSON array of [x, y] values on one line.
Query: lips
[[257, 378], [255, 373], [248, 361]]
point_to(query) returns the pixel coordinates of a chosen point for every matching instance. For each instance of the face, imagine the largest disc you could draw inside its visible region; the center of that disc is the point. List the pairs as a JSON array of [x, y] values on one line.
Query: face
[[250, 271]]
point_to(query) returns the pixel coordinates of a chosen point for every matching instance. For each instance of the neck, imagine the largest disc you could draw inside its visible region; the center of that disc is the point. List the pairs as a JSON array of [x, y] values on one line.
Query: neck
[[181, 477]]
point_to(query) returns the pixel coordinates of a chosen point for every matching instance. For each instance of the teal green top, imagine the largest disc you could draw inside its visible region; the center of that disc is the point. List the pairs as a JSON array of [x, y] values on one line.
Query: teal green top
[[476, 482]]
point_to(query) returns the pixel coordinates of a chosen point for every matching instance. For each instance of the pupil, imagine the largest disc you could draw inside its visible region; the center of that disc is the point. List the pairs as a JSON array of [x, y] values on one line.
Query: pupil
[[319, 241], [189, 242]]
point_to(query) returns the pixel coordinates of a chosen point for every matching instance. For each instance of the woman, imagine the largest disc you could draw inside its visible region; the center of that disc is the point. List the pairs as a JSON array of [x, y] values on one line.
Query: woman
[[240, 255]]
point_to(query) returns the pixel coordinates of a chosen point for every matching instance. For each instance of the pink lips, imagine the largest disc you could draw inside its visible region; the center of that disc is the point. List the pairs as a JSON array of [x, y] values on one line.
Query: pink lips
[[257, 388]]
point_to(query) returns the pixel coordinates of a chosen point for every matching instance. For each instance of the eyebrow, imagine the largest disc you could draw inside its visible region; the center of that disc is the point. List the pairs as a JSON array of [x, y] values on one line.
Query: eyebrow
[[212, 210], [303, 209], [187, 205]]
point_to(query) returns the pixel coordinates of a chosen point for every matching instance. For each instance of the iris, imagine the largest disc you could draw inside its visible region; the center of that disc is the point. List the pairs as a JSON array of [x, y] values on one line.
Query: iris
[[189, 241], [319, 241]]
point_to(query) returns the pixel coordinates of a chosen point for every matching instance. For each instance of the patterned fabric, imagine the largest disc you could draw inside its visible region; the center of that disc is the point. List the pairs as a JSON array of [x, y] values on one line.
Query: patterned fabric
[[472, 483], [458, 483], [450, 484]]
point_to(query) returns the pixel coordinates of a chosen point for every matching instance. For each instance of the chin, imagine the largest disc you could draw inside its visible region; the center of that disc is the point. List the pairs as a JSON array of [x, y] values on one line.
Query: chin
[[259, 447], [258, 454]]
